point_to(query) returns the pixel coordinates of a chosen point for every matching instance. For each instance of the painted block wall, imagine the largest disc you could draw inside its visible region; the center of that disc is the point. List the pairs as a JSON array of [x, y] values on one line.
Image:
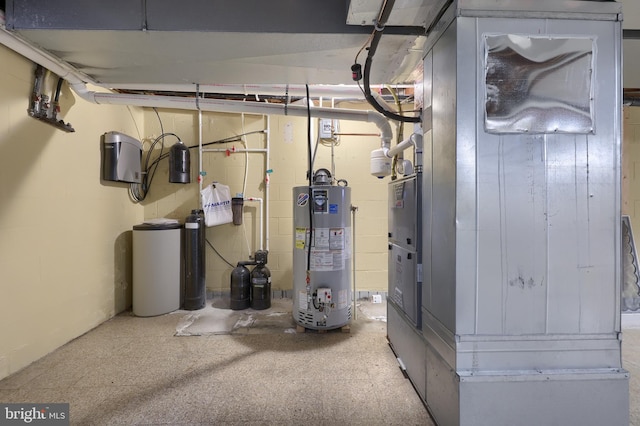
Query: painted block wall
[[288, 161], [631, 62], [64, 237], [631, 168]]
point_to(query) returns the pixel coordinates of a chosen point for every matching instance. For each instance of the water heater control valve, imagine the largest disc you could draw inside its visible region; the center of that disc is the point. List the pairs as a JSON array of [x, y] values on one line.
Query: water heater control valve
[[324, 296]]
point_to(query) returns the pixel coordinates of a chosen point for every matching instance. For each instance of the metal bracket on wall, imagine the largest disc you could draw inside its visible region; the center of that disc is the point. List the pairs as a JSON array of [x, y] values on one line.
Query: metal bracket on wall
[[41, 108]]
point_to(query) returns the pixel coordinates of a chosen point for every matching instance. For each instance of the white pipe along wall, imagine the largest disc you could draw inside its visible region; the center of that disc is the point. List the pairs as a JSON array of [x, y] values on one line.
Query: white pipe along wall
[[315, 90], [220, 105], [414, 140], [259, 200]]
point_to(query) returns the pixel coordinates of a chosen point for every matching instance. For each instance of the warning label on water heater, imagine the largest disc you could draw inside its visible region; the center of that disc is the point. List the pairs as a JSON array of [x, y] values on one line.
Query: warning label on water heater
[[330, 248], [321, 236], [336, 238], [323, 260], [301, 238]]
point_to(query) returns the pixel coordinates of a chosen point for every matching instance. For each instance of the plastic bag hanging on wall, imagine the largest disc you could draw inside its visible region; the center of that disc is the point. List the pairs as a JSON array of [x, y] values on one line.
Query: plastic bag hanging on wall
[[216, 203], [538, 84]]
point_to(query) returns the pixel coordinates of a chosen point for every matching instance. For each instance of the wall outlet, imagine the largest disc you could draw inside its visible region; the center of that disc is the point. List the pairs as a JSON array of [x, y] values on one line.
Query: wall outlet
[[377, 298]]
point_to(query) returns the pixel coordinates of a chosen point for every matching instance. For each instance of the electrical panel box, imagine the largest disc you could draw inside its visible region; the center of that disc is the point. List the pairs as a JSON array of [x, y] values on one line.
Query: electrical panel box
[[328, 128], [121, 158]]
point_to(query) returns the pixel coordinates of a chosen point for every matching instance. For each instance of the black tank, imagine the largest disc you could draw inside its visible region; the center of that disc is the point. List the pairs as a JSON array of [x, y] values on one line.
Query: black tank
[[260, 287], [240, 287], [194, 262]]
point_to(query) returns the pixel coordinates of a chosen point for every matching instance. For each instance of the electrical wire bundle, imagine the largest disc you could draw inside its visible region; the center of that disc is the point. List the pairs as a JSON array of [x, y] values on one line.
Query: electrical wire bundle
[[358, 74], [310, 161], [138, 192]]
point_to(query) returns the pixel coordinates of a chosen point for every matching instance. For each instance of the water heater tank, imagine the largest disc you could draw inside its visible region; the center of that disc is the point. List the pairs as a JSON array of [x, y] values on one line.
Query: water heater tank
[[325, 301]]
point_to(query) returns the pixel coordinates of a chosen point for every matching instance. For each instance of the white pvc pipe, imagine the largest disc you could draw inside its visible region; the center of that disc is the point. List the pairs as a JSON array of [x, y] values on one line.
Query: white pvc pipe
[[315, 90], [234, 150], [354, 209], [259, 200], [414, 140], [258, 150], [267, 179], [200, 177], [222, 105]]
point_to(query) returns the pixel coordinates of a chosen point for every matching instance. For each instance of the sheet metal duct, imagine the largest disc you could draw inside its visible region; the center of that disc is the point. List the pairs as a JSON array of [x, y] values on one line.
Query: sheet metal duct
[[522, 236]]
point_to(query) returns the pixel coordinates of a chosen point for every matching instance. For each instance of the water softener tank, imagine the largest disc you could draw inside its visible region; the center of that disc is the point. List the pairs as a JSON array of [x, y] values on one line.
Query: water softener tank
[[156, 267], [260, 287], [194, 261], [240, 287]]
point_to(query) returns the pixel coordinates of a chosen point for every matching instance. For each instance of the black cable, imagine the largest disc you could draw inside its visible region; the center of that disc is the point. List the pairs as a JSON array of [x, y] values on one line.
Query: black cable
[[309, 155], [385, 11], [234, 138], [219, 255], [56, 97], [216, 142], [149, 169], [149, 174], [154, 143], [142, 189]]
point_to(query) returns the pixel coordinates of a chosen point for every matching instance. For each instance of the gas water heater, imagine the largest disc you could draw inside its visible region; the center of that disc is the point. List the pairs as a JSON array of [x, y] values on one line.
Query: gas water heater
[[322, 254]]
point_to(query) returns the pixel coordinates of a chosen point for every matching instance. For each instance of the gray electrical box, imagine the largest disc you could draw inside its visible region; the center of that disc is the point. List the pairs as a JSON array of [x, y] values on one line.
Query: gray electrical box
[[121, 158]]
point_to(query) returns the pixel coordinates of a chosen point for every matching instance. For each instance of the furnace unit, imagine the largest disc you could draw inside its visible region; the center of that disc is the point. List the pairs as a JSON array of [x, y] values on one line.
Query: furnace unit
[[521, 218]]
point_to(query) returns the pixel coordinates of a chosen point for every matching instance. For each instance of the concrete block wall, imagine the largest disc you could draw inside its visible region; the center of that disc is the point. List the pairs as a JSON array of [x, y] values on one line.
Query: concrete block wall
[[288, 161], [631, 168], [65, 236]]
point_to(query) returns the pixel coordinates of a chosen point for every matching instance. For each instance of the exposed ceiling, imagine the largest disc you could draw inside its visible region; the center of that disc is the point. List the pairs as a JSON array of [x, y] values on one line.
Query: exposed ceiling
[[631, 43], [141, 42], [208, 41]]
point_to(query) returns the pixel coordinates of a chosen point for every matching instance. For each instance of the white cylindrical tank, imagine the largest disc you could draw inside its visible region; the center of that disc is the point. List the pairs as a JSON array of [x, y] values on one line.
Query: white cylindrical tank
[[322, 222], [156, 268], [380, 163]]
